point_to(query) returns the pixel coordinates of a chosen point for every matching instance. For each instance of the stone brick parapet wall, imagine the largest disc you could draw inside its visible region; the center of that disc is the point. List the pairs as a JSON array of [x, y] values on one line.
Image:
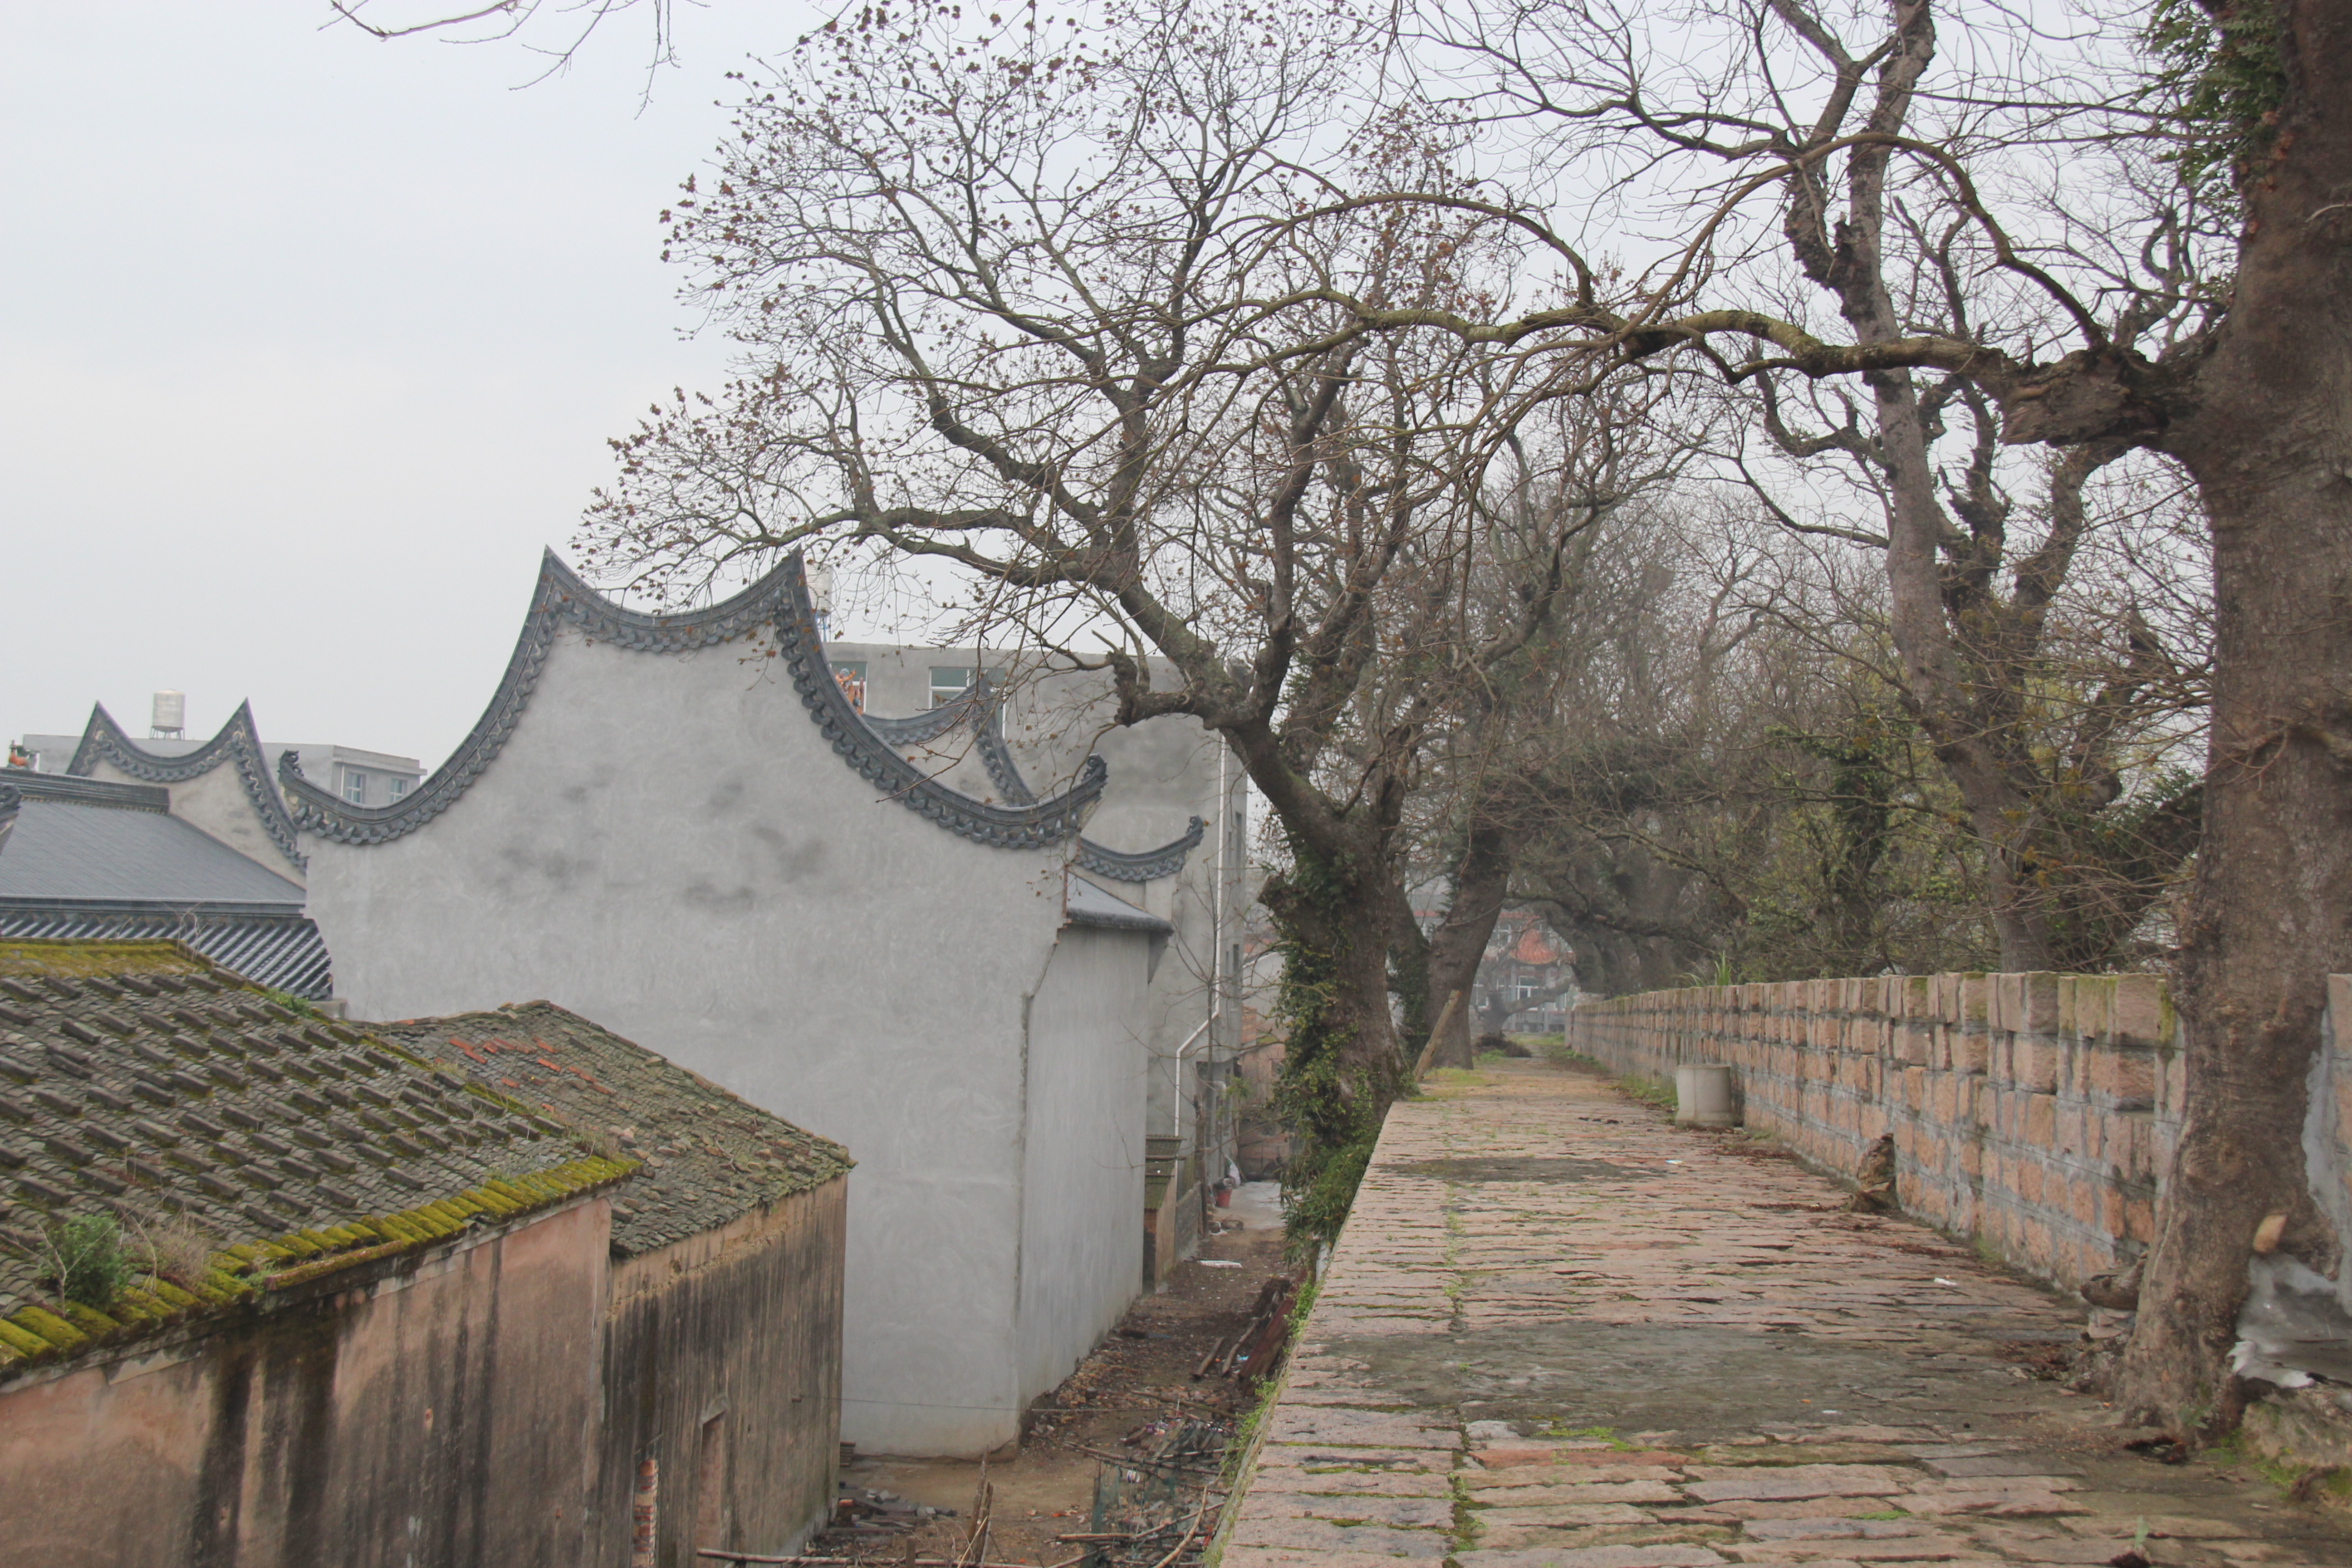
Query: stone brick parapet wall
[[2032, 1112]]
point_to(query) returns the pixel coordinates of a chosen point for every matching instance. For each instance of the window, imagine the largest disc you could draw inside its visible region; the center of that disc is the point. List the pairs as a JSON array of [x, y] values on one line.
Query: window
[[948, 684], [851, 674], [355, 787], [399, 787]]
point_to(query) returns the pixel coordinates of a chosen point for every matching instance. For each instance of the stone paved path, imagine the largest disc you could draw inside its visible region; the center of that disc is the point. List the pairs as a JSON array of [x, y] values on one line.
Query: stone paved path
[[1560, 1333]]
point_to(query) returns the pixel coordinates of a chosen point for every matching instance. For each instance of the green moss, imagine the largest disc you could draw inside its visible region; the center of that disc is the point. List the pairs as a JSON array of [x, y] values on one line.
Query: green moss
[[22, 1341], [171, 1294], [49, 1326], [1604, 1434], [77, 959]]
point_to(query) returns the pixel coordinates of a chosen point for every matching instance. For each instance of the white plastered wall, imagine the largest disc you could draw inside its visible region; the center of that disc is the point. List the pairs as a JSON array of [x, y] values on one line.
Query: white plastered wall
[[1082, 1162], [668, 845]]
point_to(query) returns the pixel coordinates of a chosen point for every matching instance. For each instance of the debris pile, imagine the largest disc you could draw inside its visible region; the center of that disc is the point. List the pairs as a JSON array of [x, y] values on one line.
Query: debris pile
[[1157, 1508]]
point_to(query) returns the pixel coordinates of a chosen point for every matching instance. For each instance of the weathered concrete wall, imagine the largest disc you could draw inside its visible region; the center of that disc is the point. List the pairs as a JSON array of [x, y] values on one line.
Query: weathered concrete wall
[[746, 1427], [442, 1414], [763, 918], [1081, 1153], [2034, 1111]]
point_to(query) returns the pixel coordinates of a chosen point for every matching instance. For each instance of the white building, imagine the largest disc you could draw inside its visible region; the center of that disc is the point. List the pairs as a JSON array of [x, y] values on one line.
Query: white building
[[680, 826], [1000, 726]]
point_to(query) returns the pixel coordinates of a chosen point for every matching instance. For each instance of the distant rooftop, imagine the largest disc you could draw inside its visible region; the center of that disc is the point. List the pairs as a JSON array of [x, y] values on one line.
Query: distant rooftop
[[80, 839], [82, 859]]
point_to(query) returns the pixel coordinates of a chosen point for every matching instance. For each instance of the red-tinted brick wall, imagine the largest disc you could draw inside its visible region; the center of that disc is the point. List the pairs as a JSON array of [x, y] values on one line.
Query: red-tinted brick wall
[[2030, 1111]]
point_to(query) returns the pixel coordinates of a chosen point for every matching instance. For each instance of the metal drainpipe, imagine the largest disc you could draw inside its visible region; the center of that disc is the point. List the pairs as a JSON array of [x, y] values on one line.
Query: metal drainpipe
[[1176, 1102]]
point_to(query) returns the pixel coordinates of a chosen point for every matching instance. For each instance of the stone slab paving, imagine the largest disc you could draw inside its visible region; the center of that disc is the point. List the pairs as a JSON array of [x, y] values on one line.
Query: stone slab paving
[[1560, 1333]]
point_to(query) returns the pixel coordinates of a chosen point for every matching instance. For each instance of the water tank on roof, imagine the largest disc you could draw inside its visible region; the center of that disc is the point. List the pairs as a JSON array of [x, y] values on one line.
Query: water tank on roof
[[171, 715]]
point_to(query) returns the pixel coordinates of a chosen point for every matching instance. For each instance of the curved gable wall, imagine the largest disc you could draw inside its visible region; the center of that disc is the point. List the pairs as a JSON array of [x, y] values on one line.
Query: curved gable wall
[[769, 919], [222, 788]]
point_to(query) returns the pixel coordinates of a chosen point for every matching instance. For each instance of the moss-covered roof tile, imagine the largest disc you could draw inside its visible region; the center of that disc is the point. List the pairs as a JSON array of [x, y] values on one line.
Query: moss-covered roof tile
[[708, 1155], [249, 1146]]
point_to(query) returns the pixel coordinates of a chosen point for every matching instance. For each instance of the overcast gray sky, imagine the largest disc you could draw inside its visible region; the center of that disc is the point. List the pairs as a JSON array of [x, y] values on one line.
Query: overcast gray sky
[[309, 344]]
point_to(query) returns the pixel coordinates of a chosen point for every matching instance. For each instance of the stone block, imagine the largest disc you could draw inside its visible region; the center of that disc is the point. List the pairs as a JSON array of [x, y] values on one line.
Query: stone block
[[2036, 1062], [1806, 1507], [1827, 1527], [1969, 1053], [1359, 1429], [2067, 1136], [1592, 1557], [1495, 1522], [1572, 1469], [2083, 1201], [2143, 1010], [2040, 1129], [1321, 1535], [2124, 1077], [2029, 1180], [1532, 1500], [1998, 1503], [2095, 1005], [1240, 1556], [1403, 1513], [2038, 995], [1353, 1483], [1331, 1459], [1720, 1484]]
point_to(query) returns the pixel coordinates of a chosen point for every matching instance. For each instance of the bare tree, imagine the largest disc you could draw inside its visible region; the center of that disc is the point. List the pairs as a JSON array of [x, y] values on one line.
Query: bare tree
[[1830, 122], [997, 301], [1572, 492]]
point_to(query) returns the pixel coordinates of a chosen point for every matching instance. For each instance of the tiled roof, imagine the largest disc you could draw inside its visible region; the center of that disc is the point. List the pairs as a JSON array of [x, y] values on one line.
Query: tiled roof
[[1087, 905], [281, 951], [81, 838], [138, 1079], [708, 1156]]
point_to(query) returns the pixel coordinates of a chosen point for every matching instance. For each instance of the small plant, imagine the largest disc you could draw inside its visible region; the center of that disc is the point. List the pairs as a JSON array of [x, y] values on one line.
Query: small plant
[[86, 1258], [1601, 1434], [177, 1248], [1884, 1513], [293, 1003], [1649, 1091]]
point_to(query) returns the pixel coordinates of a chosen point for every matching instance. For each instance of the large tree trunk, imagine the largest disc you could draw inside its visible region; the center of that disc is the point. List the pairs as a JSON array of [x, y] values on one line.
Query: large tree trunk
[[2270, 441], [1459, 943]]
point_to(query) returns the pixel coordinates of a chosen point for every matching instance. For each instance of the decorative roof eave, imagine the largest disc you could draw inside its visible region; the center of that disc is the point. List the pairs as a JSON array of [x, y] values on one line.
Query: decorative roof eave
[[1119, 865], [779, 601], [237, 743], [1141, 865]]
